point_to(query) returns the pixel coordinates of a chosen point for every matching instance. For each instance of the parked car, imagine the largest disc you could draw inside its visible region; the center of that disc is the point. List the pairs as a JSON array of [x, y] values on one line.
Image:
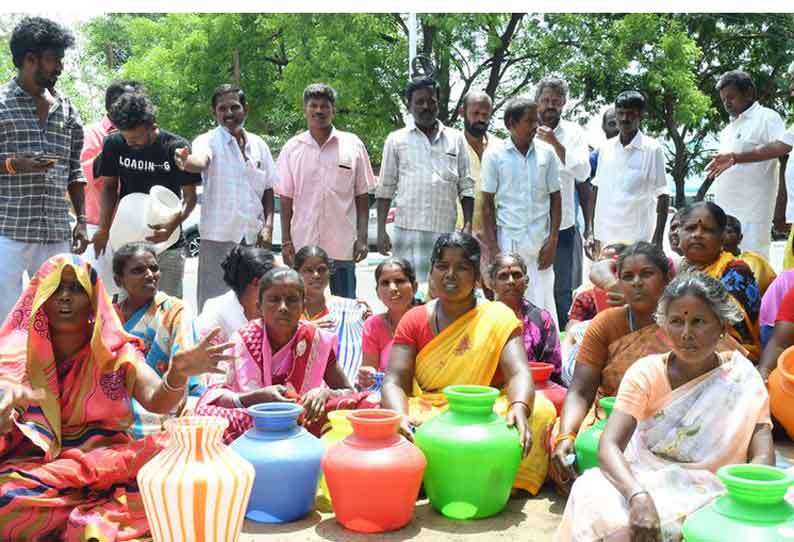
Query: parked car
[[193, 238]]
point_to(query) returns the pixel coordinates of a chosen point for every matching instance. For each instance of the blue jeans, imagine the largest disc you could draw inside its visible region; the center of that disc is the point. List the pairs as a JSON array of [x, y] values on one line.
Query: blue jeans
[[343, 279]]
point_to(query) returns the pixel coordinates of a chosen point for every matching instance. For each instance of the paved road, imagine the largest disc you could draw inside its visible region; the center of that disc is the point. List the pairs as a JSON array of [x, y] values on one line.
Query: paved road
[[365, 278]]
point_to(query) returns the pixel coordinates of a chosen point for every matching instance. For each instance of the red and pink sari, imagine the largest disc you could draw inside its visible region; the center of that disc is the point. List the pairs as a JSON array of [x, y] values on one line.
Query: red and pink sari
[[299, 365], [68, 467]]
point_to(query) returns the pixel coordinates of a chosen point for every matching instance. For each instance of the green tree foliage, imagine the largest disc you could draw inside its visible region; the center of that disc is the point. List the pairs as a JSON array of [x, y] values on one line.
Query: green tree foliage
[[82, 80], [674, 59], [181, 58]]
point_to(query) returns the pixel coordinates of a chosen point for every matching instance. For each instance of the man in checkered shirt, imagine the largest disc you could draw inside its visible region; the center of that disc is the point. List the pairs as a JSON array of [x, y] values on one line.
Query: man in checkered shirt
[[40, 142]]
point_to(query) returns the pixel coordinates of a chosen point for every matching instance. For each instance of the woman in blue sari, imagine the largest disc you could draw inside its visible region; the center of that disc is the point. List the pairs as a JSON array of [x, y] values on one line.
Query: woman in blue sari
[[152, 316]]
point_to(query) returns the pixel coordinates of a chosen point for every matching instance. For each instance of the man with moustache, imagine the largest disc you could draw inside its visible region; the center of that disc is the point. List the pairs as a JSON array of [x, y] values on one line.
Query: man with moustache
[[784, 207], [630, 182], [476, 111], [609, 125], [748, 190], [40, 141], [324, 180], [137, 157], [568, 141], [238, 175], [425, 169]]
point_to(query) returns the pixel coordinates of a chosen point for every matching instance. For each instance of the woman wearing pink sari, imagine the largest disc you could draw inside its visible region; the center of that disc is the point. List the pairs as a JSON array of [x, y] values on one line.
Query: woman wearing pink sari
[[678, 417], [68, 374], [279, 358]]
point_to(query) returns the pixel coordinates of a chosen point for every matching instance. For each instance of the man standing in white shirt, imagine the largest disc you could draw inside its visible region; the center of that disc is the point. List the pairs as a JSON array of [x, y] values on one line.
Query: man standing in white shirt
[[568, 141], [748, 191], [238, 174], [425, 169], [630, 181], [521, 204]]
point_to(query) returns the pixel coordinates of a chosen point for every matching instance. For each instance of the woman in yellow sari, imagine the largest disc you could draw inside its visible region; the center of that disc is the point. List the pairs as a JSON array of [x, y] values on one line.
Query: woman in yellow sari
[[460, 339]]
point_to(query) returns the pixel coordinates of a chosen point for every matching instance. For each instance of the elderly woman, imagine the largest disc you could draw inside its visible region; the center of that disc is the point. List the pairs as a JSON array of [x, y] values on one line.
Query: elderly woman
[[460, 339], [508, 274], [702, 229], [678, 417], [242, 268], [340, 315], [151, 315], [67, 464], [280, 358]]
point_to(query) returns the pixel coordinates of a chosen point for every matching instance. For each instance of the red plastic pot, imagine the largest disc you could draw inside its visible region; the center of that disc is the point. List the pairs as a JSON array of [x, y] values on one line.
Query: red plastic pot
[[541, 372], [374, 474]]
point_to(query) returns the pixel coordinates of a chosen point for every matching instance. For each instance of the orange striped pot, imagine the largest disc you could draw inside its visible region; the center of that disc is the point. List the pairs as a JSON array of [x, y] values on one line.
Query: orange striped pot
[[196, 489]]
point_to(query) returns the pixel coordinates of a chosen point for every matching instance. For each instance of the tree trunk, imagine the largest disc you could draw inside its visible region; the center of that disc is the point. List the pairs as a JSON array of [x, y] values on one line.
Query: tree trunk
[[500, 53]]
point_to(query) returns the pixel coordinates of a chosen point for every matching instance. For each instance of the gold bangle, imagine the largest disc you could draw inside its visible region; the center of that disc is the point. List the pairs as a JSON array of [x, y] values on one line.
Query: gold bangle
[[168, 387], [9, 167], [565, 436]]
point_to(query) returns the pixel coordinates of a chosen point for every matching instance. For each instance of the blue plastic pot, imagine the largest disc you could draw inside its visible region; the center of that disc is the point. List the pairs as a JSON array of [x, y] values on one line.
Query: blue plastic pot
[[286, 459]]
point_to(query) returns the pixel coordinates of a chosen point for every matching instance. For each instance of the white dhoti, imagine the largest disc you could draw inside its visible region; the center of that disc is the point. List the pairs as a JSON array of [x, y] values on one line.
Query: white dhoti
[[540, 288]]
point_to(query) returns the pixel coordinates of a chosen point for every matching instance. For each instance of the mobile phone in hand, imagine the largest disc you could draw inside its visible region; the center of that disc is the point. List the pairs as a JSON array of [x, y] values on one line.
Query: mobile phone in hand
[[43, 158]]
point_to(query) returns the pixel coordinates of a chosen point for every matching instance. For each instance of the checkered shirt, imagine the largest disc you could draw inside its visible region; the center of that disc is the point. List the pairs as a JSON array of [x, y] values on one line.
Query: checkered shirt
[[33, 206]]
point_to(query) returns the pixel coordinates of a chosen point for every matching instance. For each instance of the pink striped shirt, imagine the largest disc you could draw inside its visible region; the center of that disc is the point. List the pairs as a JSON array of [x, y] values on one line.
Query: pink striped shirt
[[93, 137]]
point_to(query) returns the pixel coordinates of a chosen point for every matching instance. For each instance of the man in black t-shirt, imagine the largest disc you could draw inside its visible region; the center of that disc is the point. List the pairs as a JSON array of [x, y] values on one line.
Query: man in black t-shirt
[[134, 159]]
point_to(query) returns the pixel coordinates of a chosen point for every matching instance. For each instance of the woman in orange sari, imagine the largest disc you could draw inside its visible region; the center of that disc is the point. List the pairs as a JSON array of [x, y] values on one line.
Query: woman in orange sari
[[68, 373], [615, 339], [678, 417]]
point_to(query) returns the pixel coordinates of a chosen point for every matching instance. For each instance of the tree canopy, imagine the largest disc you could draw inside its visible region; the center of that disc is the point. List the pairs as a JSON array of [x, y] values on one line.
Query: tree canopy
[[674, 59]]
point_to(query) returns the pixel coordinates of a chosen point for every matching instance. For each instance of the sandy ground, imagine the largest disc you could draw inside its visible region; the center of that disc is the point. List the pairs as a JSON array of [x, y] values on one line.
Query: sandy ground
[[526, 519]]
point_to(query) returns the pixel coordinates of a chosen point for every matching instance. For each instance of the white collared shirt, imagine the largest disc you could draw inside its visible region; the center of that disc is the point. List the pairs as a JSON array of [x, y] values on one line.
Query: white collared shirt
[[425, 178], [522, 186], [233, 186], [630, 179], [576, 168], [748, 191], [788, 139]]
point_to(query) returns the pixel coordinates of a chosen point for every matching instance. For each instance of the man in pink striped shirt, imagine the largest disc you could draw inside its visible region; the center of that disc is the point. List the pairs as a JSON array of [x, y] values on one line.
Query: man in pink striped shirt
[[324, 180], [93, 138]]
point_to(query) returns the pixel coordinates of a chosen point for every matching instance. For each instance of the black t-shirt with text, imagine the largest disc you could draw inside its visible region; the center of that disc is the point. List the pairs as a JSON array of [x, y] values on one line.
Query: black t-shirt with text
[[139, 170]]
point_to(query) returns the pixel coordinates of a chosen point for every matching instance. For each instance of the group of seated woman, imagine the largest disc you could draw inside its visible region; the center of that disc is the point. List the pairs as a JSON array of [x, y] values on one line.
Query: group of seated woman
[[671, 352]]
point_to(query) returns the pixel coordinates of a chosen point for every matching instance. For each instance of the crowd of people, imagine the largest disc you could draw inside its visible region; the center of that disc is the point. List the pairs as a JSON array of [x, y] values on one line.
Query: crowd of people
[[483, 271]]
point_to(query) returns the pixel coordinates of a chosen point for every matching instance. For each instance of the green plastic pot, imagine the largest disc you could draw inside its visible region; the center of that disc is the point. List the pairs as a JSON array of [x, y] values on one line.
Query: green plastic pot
[[472, 456], [753, 509], [586, 443]]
